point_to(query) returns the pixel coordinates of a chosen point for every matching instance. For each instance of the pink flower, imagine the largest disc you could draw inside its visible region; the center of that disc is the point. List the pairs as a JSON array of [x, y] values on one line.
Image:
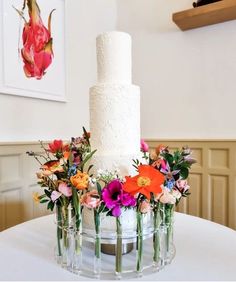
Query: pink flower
[[167, 198], [144, 207], [91, 199], [55, 195], [37, 50], [182, 185], [144, 146], [65, 190]]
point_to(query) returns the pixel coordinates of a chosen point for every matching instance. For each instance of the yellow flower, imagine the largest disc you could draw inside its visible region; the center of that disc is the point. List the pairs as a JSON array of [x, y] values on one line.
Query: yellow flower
[[36, 197], [80, 180]]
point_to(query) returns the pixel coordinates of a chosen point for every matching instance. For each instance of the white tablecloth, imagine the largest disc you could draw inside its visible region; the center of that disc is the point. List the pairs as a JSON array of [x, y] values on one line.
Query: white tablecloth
[[204, 251]]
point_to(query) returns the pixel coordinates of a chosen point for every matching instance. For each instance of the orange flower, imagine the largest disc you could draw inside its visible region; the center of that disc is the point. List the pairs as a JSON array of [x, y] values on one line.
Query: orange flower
[[36, 197], [51, 167], [160, 148], [66, 155], [148, 180], [80, 180]]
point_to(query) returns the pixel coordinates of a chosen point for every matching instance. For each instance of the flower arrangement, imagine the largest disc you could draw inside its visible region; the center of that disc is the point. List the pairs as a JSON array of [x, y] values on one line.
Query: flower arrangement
[[70, 184]]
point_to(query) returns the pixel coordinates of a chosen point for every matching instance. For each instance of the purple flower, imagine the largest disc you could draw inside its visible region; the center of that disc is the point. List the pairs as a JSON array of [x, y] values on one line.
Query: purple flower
[[115, 197]]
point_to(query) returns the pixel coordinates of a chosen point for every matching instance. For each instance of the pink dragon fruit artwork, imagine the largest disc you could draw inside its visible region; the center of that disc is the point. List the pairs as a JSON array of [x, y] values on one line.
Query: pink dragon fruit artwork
[[37, 50]]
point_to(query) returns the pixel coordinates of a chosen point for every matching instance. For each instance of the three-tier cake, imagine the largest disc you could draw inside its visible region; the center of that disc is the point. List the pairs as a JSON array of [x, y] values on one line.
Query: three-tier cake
[[115, 106], [114, 117]]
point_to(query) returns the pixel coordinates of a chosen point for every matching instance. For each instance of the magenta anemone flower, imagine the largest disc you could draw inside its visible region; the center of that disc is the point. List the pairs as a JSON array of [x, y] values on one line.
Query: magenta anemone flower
[[115, 197]]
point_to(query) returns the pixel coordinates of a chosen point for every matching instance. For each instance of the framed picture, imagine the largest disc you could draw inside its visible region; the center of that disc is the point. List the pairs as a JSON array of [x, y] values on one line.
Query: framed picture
[[32, 49]]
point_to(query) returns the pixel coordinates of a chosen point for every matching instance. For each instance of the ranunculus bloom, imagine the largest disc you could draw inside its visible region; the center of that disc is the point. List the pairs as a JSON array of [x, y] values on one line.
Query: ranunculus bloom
[[115, 197], [37, 50], [144, 207], [64, 189], [91, 199], [182, 185], [144, 146], [57, 146], [167, 197], [80, 180], [148, 180], [55, 195]]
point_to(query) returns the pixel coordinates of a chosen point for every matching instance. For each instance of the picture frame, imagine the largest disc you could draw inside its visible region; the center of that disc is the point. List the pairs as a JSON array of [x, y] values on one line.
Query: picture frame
[[13, 79]]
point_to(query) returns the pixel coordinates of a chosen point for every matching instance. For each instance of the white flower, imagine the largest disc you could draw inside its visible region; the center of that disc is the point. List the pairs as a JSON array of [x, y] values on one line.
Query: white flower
[[175, 193], [100, 173]]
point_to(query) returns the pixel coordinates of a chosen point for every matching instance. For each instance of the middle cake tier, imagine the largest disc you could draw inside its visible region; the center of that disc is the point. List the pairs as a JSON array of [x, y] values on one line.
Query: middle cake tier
[[115, 125]]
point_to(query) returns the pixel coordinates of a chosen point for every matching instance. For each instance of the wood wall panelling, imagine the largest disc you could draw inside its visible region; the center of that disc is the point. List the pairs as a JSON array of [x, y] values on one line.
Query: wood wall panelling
[[17, 184]]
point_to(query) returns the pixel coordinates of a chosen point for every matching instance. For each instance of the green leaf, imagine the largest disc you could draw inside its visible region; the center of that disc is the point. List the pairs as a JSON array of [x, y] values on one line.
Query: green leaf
[[50, 206], [87, 158], [99, 188], [184, 173], [86, 136], [75, 201], [89, 168], [44, 201], [48, 193]]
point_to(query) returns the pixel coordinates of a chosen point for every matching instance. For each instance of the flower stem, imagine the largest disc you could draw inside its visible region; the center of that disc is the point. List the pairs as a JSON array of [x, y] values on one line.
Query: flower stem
[[156, 239], [118, 246], [139, 242], [59, 231], [97, 239]]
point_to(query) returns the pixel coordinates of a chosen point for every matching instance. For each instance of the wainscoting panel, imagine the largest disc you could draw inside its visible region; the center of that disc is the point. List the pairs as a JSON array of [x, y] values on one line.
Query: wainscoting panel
[[212, 179], [17, 184]]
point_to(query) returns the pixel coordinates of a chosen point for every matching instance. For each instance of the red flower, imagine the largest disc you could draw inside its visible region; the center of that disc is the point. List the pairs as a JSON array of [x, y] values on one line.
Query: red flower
[[148, 180], [37, 50], [57, 146]]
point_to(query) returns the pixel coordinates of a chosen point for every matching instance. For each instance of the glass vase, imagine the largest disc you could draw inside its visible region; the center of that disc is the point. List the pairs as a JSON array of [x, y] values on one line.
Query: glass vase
[[69, 240], [139, 244], [97, 245], [156, 235], [166, 232], [59, 245], [118, 270]]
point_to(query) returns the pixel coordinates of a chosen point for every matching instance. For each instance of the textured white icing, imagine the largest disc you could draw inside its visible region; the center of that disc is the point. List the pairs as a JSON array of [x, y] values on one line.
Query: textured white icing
[[115, 119], [108, 223], [114, 57], [114, 116]]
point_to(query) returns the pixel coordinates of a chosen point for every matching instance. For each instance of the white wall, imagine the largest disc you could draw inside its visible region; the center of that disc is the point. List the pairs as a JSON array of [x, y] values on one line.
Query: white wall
[[187, 79], [26, 119]]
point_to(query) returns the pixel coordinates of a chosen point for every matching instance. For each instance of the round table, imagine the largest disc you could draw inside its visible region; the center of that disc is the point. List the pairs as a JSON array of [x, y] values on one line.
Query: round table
[[204, 251]]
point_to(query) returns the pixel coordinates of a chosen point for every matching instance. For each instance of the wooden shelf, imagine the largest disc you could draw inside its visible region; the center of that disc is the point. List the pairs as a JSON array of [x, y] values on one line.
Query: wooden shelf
[[217, 12]]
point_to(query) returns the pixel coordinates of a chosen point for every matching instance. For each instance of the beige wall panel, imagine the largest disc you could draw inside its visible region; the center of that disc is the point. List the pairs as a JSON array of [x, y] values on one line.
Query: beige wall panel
[[219, 199], [12, 205], [195, 199], [17, 184], [219, 158]]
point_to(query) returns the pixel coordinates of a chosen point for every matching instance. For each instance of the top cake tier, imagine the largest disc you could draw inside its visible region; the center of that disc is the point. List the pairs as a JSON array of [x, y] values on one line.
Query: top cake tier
[[114, 63]]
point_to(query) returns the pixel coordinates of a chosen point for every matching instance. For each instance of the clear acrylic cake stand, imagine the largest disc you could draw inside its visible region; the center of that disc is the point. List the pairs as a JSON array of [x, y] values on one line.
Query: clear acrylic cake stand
[[104, 268]]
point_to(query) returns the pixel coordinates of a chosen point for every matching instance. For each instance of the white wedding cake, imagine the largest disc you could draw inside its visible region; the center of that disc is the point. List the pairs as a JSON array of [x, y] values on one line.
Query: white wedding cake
[[115, 106], [114, 117]]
